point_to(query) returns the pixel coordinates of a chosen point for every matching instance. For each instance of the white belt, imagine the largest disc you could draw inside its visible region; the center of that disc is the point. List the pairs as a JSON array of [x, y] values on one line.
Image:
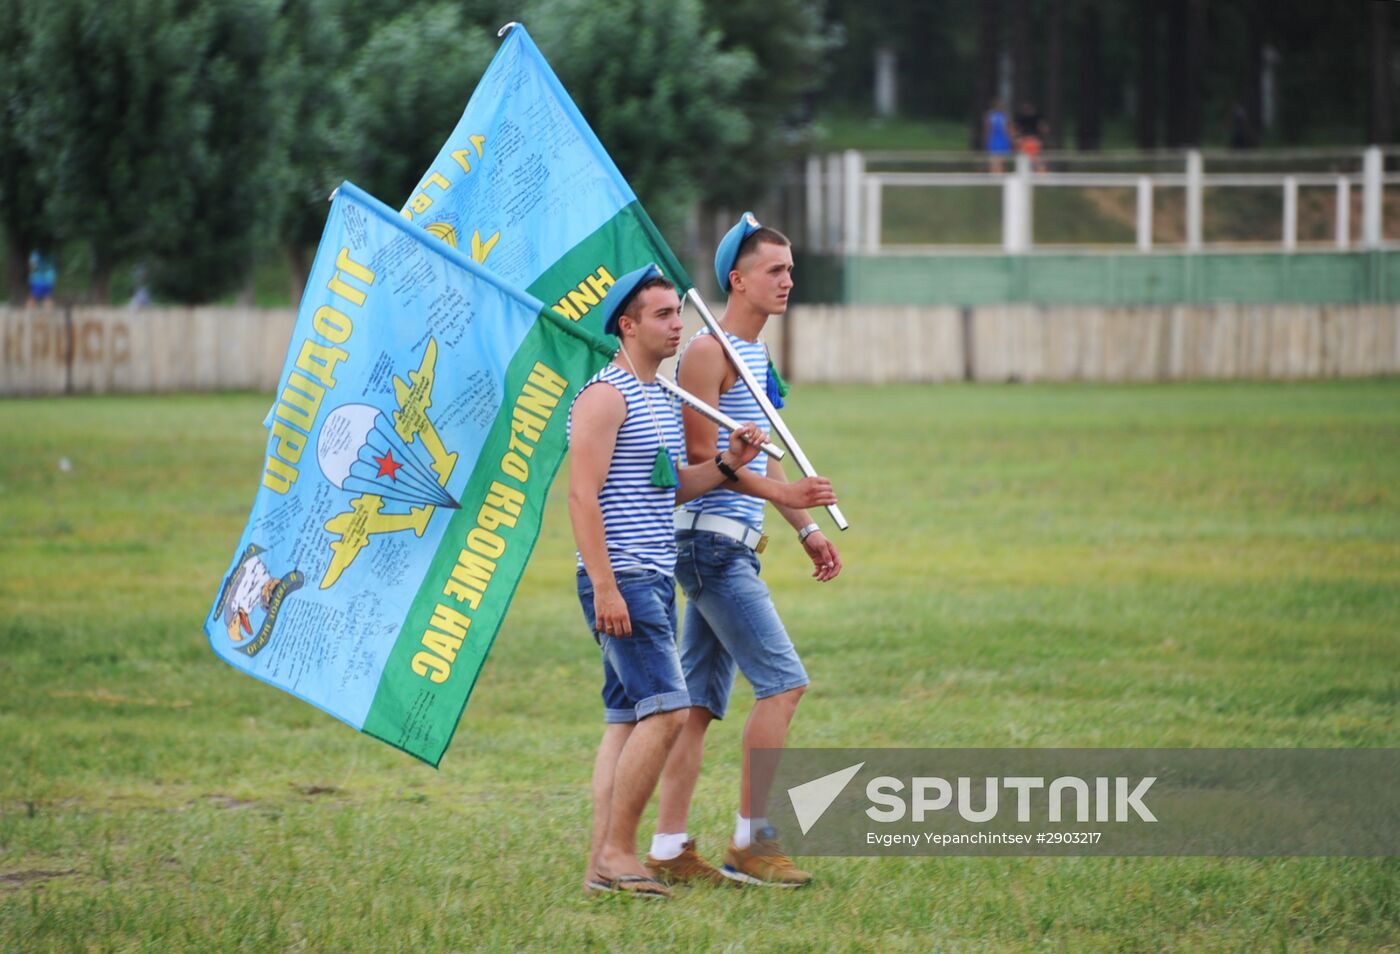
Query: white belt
[[724, 526]]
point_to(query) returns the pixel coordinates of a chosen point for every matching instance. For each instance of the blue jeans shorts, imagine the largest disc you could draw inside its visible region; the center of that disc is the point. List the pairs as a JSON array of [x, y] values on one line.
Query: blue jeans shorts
[[730, 622], [641, 672]]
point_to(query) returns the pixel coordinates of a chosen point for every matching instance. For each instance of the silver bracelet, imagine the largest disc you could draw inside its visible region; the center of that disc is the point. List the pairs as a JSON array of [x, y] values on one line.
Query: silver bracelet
[[806, 532]]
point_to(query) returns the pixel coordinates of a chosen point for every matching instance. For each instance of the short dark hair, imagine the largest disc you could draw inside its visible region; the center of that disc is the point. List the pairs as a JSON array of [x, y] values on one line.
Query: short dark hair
[[633, 303], [760, 236]]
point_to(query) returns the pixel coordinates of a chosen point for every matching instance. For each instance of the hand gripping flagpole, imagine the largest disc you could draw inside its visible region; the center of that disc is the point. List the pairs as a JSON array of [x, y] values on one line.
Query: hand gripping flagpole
[[715, 414], [761, 396]]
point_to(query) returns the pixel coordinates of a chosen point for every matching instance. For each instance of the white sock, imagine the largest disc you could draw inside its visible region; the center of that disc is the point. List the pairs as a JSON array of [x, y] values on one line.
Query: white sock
[[744, 829], [664, 847]]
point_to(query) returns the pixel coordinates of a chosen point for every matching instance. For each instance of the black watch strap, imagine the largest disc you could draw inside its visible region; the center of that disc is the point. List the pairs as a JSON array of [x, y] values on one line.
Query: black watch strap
[[725, 469]]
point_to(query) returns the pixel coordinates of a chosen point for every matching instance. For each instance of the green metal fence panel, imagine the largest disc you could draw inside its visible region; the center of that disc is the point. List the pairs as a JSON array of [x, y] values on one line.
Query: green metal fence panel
[[1322, 279], [1243, 278], [1151, 279], [932, 279], [1117, 279], [1068, 279], [1387, 275]]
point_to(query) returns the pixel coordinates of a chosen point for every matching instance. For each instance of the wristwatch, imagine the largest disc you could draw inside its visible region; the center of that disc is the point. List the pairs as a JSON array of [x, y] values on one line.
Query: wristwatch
[[806, 532], [725, 469]]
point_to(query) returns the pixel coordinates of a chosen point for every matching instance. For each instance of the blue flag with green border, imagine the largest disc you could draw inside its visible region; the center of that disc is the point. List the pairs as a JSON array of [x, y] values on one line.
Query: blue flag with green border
[[420, 419], [524, 186]]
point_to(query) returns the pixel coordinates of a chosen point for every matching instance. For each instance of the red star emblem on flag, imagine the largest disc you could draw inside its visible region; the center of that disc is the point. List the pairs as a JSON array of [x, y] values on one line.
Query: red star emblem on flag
[[388, 466]]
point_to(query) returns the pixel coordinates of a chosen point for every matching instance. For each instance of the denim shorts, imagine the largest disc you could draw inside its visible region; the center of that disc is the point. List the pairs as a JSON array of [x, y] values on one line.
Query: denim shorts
[[641, 672], [730, 621]]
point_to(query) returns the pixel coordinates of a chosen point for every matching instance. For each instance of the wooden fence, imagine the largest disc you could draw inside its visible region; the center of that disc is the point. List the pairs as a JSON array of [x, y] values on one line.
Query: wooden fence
[[113, 350], [1065, 343], [117, 350]]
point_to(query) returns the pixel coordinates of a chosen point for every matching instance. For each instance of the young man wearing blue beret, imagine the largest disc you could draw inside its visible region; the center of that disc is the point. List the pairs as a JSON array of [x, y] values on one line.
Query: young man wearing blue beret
[[730, 620], [624, 435]]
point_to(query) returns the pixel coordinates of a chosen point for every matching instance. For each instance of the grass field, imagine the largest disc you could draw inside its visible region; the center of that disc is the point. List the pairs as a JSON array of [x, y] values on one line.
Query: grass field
[[1193, 565]]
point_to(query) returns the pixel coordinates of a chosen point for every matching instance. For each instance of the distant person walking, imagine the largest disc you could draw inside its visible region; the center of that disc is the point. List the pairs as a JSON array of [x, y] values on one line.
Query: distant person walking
[[41, 279], [1030, 133], [996, 137]]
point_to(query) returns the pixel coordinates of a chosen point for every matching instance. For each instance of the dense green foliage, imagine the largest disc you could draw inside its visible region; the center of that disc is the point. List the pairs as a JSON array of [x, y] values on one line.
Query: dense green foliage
[[192, 138], [197, 138], [1159, 566], [658, 91], [151, 126], [1323, 52]]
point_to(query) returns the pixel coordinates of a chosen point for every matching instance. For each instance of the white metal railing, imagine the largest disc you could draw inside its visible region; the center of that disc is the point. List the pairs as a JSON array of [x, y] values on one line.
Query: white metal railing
[[845, 197]]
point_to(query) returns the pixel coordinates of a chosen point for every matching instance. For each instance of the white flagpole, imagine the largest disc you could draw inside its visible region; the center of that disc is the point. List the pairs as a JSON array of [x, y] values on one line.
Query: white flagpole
[[761, 396], [714, 414]]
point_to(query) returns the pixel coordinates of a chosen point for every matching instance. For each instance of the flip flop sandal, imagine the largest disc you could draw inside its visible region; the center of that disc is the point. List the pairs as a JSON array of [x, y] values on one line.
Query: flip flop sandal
[[598, 885], [642, 887]]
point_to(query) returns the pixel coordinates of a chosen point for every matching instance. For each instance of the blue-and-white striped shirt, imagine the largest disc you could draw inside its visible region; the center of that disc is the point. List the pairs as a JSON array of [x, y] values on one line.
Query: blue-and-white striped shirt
[[637, 518], [741, 405]]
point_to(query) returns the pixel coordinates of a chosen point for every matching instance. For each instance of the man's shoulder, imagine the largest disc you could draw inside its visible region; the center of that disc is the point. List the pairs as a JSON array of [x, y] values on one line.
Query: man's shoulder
[[600, 404], [704, 347], [702, 336]]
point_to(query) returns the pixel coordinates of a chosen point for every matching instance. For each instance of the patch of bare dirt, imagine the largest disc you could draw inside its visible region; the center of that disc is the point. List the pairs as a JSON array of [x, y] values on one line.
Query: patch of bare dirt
[[16, 878]]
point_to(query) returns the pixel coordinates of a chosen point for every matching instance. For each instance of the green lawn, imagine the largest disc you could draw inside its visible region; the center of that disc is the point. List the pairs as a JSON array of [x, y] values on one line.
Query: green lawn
[[1189, 565]]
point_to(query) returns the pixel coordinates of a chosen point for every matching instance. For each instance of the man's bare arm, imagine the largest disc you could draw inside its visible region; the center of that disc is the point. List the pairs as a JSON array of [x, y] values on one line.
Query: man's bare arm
[[702, 477], [598, 415], [826, 562], [707, 373]]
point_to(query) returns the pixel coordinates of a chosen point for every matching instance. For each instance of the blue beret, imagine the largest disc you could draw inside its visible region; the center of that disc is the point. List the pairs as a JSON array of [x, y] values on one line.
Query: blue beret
[[728, 251], [615, 302]]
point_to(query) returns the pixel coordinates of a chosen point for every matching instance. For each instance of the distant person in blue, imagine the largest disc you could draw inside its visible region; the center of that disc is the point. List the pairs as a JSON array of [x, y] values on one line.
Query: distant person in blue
[[624, 436], [41, 279], [996, 135]]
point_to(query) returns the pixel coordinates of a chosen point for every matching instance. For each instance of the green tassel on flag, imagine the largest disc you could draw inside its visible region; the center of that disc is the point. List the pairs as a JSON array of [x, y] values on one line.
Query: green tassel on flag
[[775, 386], [663, 472]]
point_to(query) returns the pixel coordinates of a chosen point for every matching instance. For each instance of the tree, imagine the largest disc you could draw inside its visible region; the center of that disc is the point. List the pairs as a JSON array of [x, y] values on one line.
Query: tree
[[660, 92], [1022, 16], [1382, 74], [228, 160], [790, 66], [21, 199], [1147, 87], [149, 126], [1257, 12], [1054, 73], [988, 54], [1089, 127], [405, 89], [311, 43], [1185, 65]]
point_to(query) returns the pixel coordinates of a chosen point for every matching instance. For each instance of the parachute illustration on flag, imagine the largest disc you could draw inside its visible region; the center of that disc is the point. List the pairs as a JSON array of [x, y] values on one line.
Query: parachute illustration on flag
[[360, 452]]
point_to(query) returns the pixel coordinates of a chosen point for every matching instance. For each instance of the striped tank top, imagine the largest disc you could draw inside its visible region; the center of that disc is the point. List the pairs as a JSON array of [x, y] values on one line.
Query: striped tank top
[[739, 404], [637, 516]]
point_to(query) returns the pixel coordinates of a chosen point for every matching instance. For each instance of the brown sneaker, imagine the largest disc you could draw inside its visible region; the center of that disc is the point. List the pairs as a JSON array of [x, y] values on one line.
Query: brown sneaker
[[686, 868], [763, 863]]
